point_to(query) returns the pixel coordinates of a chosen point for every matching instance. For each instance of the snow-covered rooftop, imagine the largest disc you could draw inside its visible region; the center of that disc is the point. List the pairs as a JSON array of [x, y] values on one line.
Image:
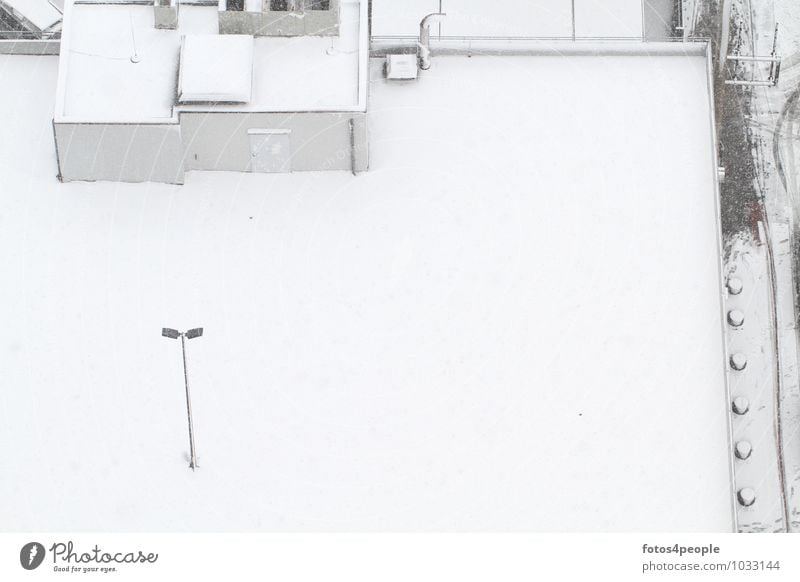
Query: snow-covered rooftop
[[116, 67], [303, 73], [511, 322]]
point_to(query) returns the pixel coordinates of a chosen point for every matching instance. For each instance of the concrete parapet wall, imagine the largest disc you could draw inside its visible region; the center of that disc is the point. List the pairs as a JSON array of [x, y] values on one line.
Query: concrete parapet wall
[[30, 47], [320, 141], [119, 152]]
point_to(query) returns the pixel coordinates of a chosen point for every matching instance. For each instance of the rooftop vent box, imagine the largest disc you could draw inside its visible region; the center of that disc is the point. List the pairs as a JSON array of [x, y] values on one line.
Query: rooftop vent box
[[215, 68], [401, 67], [165, 14]]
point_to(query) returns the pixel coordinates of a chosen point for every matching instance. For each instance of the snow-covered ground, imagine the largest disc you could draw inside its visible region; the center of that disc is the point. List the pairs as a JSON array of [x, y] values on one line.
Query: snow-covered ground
[[512, 321], [534, 18], [772, 127]]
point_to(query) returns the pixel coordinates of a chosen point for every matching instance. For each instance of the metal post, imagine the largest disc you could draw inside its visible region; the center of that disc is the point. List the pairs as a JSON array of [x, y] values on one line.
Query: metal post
[[193, 461], [725, 35], [643, 9], [756, 59], [680, 25], [750, 83], [352, 127], [369, 22], [775, 68], [440, 23], [573, 20]]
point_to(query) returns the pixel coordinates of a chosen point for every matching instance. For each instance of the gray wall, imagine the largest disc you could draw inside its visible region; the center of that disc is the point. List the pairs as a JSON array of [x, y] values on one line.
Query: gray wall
[[205, 141], [120, 152], [29, 47], [320, 141]]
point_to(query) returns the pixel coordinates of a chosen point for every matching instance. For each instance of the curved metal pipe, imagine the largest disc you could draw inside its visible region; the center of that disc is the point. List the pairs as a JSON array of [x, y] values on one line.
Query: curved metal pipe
[[424, 43]]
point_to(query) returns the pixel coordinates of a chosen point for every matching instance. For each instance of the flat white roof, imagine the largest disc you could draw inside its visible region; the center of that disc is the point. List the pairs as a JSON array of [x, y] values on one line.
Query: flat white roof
[[304, 73], [512, 322], [99, 82]]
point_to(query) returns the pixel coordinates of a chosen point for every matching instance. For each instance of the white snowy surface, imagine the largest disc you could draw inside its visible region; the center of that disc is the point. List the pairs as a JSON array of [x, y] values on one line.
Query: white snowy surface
[[511, 322], [216, 67], [604, 18], [532, 18], [197, 20], [103, 84], [754, 339], [787, 15], [304, 73]]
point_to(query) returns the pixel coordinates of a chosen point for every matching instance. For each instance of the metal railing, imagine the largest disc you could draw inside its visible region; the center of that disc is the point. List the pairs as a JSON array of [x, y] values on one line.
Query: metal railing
[[573, 34], [683, 29], [28, 35]]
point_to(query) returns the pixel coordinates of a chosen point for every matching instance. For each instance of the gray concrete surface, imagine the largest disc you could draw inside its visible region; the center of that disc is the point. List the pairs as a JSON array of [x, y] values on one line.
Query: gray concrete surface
[[659, 19]]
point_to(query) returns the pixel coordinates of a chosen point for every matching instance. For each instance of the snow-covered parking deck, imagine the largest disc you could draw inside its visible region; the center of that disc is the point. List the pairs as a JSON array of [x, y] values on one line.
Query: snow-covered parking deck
[[512, 321]]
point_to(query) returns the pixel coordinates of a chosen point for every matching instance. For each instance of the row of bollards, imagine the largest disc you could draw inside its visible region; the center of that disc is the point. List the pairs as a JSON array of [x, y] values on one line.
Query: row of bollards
[[742, 449]]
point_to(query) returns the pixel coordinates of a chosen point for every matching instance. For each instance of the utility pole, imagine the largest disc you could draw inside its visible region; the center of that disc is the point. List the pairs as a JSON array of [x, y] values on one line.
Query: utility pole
[[175, 334]]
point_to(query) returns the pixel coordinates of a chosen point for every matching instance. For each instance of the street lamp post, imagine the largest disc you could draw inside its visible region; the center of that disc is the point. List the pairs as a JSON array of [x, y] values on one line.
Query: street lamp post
[[175, 334]]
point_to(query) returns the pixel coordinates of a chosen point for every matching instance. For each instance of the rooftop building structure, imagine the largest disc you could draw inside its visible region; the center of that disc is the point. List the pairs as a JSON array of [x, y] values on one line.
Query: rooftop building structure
[[147, 92]]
